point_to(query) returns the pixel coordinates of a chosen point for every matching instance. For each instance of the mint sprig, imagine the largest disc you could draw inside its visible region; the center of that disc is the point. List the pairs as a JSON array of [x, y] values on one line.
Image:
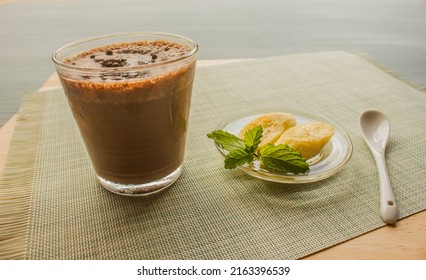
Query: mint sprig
[[280, 158], [226, 140], [240, 151], [238, 157], [252, 138]]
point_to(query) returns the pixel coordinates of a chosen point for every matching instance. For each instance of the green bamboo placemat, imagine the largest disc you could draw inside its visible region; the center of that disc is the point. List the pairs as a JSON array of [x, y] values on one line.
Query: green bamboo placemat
[[210, 212]]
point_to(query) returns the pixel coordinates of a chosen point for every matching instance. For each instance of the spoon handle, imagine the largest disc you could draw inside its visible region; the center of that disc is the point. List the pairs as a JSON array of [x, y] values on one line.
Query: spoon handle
[[387, 199]]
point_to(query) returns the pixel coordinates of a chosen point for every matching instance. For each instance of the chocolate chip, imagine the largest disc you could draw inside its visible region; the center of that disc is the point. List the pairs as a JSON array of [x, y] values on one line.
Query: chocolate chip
[[152, 60], [92, 56], [113, 62], [154, 56], [126, 51], [108, 52]]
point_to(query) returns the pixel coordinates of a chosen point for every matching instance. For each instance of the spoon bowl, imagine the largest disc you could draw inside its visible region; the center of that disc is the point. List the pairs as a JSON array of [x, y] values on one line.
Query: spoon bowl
[[375, 128]]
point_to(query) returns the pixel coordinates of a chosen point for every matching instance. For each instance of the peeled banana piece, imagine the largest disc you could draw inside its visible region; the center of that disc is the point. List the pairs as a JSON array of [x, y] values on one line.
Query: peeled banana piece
[[273, 124], [308, 139]]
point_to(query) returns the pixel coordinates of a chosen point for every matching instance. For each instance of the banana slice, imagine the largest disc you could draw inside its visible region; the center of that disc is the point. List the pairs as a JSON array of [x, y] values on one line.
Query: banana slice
[[308, 139], [273, 124]]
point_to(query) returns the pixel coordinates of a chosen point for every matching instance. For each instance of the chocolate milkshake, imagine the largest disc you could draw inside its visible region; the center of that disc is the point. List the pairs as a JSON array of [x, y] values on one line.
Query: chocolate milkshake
[[131, 102]]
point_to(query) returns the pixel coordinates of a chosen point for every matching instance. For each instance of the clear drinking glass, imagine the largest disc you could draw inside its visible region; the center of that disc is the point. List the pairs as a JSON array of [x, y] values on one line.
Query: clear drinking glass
[[131, 106]]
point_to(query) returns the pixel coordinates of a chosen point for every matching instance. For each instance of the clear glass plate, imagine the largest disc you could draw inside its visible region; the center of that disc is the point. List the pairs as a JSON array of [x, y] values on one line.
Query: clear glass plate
[[328, 162]]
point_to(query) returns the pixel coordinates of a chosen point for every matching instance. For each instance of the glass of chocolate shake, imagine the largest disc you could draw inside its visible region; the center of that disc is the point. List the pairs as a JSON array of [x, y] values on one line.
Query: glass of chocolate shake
[[130, 95]]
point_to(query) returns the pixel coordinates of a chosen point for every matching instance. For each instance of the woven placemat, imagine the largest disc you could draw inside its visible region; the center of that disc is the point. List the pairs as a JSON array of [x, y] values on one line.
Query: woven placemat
[[210, 212]]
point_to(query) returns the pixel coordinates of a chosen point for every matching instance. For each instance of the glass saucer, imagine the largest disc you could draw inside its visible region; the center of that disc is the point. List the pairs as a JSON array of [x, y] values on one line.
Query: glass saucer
[[328, 162]]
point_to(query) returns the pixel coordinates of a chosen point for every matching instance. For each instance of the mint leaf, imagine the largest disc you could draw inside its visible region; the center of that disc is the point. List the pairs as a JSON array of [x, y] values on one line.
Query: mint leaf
[[252, 138], [226, 140], [282, 158], [238, 157]]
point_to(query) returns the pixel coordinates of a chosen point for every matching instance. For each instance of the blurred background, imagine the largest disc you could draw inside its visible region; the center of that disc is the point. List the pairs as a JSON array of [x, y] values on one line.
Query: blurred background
[[391, 31]]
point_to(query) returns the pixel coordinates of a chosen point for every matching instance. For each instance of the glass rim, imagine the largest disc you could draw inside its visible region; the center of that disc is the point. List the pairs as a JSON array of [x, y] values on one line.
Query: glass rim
[[67, 66]]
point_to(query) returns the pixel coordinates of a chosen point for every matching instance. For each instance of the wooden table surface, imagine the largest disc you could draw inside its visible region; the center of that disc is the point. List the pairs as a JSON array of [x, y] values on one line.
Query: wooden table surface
[[406, 240]]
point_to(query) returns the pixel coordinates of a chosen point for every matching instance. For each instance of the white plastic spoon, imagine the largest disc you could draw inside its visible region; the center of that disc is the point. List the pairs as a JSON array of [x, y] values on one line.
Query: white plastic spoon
[[375, 128]]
